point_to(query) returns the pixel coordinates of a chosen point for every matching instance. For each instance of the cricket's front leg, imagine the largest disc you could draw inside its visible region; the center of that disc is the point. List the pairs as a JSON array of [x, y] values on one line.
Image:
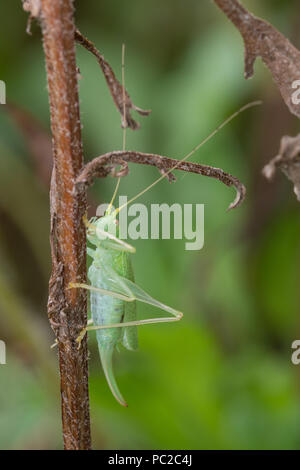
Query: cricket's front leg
[[81, 336]]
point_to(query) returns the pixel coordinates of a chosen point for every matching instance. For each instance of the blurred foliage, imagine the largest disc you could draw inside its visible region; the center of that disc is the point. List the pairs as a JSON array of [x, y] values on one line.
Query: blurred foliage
[[222, 378]]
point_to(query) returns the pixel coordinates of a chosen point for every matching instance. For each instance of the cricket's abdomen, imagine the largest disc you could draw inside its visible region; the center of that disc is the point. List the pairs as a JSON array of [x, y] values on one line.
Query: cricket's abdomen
[[107, 310]]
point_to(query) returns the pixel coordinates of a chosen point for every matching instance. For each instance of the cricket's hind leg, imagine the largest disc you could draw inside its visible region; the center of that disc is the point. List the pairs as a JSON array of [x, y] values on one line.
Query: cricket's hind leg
[[129, 292]]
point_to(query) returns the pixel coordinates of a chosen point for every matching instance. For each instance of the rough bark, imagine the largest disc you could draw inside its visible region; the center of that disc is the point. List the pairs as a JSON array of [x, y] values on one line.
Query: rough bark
[[67, 307]]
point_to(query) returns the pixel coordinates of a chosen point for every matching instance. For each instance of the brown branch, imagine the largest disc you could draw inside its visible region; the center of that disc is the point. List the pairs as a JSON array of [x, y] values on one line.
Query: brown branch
[[67, 308], [101, 166], [261, 39], [115, 87]]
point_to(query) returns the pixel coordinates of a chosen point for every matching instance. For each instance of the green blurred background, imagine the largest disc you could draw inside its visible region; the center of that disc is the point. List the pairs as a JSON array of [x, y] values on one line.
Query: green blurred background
[[222, 378]]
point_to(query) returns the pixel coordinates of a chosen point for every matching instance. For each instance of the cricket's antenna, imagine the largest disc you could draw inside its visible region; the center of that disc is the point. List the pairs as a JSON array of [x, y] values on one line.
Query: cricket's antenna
[[124, 127], [212, 134], [124, 96]]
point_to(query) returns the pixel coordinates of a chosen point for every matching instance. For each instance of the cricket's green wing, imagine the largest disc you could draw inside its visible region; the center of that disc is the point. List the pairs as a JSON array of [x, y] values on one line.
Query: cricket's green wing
[[130, 333], [128, 290]]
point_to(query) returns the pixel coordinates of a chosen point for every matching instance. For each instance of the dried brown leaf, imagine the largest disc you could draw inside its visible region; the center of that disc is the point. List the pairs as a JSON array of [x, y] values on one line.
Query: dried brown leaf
[[261, 39], [101, 166], [116, 89], [288, 161]]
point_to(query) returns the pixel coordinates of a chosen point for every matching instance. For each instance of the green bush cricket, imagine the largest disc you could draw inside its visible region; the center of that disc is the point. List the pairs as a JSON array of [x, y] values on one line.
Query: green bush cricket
[[113, 292], [113, 295]]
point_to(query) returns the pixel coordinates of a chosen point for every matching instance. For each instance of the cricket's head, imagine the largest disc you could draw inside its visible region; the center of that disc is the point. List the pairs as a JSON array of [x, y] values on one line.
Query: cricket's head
[[107, 223], [97, 227]]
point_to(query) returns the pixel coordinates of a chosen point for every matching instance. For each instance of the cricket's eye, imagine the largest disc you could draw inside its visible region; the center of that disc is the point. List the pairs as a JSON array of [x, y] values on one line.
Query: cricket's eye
[[116, 222]]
